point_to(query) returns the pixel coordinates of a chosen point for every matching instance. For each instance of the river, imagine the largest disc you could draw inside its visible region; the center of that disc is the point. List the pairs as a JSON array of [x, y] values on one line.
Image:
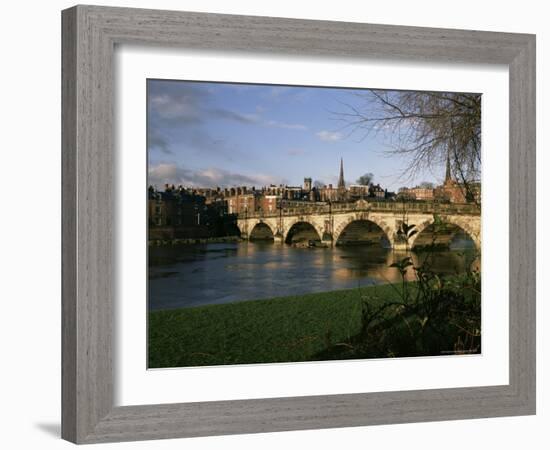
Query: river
[[204, 274]]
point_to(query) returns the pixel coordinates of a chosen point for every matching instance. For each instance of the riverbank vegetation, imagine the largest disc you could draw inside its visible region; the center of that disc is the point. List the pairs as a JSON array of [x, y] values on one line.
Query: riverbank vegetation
[[431, 316]]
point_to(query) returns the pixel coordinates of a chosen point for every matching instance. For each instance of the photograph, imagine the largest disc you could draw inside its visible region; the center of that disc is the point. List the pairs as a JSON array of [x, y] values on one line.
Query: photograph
[[311, 223]]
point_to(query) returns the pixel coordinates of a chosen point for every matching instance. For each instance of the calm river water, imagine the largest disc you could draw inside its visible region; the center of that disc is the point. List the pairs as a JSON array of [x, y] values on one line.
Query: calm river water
[[193, 275]]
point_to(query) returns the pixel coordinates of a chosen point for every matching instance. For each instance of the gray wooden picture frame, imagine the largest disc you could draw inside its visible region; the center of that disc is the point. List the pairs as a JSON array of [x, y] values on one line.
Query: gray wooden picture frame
[[90, 34]]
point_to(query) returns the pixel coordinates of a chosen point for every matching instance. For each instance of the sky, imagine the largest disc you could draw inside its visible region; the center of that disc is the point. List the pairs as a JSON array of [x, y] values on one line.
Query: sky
[[207, 134]]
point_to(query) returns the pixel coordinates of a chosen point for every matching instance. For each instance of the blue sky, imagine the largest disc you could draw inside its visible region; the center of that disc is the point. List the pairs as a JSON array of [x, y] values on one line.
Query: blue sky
[[216, 134]]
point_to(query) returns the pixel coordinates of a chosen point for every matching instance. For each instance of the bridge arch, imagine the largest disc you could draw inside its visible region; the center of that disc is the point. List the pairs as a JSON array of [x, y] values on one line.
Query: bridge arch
[[261, 231], [420, 228], [234, 229], [458, 223], [247, 225], [301, 231], [345, 224]]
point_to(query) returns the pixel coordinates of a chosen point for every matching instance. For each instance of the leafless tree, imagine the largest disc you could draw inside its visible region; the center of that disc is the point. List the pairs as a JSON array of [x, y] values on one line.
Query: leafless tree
[[366, 179], [318, 184], [426, 185], [424, 127]]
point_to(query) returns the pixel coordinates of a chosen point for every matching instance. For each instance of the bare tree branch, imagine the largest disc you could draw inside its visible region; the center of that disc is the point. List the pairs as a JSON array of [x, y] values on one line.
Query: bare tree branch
[[428, 127]]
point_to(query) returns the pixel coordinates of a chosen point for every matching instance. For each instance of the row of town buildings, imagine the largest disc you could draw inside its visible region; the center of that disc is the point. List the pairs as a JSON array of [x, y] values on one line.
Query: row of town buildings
[[179, 211], [449, 192]]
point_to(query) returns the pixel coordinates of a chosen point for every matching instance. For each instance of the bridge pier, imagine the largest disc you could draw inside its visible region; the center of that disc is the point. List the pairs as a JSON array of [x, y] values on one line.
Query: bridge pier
[[327, 240], [278, 238], [399, 246]]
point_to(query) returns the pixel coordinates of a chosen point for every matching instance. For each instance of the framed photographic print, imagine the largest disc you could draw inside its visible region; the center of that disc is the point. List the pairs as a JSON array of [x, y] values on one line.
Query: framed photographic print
[[264, 229], [251, 260]]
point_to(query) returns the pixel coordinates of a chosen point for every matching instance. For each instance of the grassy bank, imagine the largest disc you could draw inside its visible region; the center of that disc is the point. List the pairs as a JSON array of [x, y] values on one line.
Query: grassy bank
[[295, 328]]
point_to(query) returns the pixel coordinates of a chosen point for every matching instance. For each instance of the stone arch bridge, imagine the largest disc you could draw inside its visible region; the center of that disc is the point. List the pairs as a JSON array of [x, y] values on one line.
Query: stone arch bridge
[[331, 223]]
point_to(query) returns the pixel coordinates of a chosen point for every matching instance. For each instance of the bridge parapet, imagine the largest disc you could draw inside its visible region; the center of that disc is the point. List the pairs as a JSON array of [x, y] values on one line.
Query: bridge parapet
[[394, 207]]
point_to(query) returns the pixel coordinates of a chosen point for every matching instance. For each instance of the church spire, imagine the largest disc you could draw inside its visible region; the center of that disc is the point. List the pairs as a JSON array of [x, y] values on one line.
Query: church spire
[[448, 177], [341, 182]]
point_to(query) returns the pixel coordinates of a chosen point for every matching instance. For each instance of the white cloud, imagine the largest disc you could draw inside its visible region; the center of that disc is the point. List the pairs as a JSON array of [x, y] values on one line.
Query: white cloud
[[184, 107], [170, 173], [288, 126], [163, 173], [330, 136]]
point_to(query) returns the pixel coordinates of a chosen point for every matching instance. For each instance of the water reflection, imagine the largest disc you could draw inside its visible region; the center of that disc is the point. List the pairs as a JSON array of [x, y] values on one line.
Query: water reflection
[[193, 275]]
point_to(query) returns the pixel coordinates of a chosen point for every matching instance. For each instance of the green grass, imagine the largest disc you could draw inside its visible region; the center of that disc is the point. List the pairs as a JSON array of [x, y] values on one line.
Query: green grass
[[284, 329]]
